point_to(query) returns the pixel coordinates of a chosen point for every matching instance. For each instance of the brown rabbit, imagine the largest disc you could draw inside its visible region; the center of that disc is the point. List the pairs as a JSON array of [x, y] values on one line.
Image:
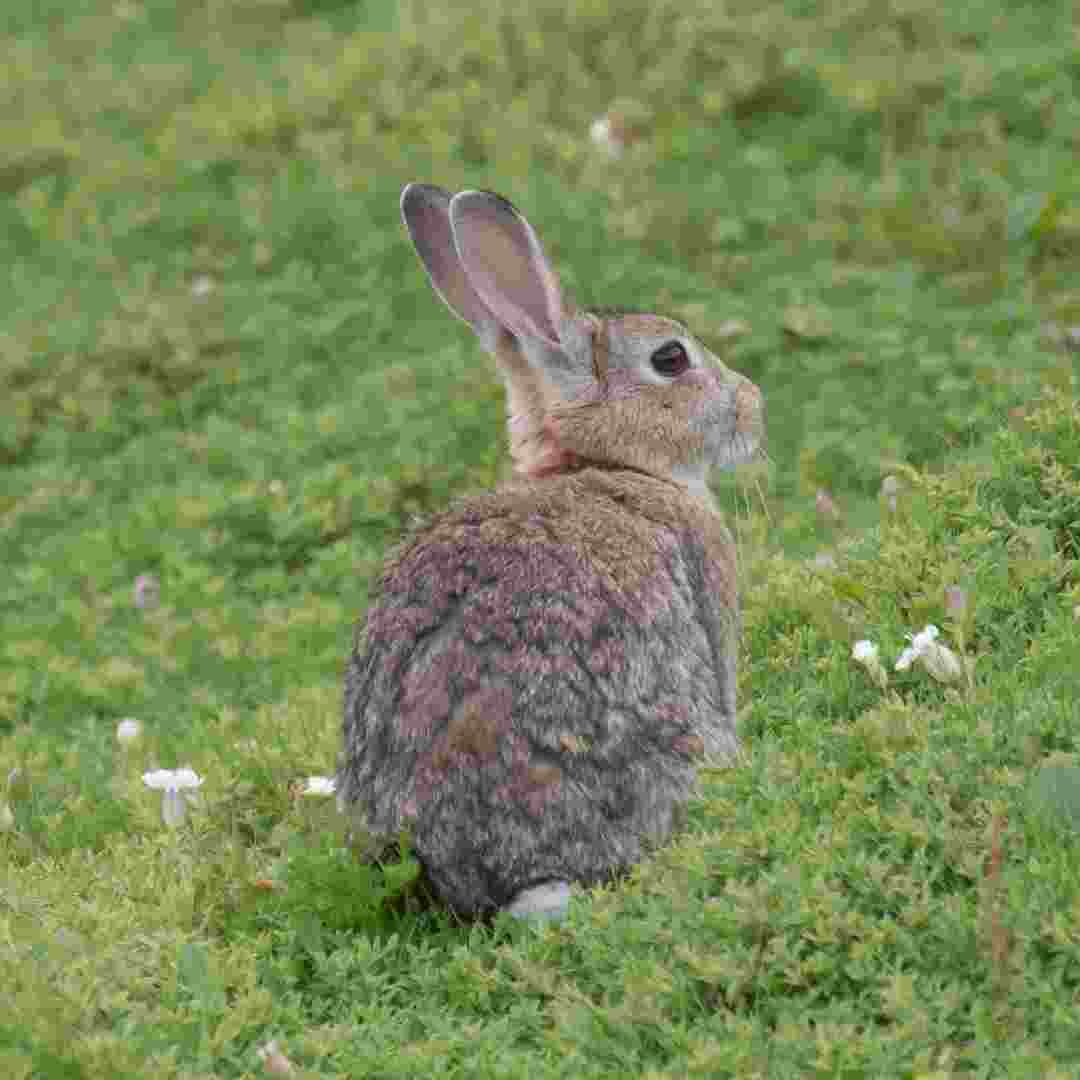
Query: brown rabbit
[[543, 666]]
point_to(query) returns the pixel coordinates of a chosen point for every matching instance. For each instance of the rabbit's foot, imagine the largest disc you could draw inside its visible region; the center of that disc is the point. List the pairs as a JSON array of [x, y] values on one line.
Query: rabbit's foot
[[548, 902]]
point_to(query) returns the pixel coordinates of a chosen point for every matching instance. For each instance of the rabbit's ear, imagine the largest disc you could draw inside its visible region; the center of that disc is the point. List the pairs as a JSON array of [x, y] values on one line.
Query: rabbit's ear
[[507, 266], [425, 210]]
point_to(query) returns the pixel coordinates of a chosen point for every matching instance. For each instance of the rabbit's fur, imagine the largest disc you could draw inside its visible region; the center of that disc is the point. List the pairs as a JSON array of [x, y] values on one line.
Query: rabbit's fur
[[543, 666]]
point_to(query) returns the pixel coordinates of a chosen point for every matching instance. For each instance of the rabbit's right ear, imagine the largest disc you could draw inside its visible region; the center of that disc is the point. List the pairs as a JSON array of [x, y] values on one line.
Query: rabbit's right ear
[[507, 267], [425, 209]]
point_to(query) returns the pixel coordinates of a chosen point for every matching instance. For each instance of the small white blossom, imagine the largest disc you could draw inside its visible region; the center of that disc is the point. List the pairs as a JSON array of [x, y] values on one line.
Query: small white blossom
[[919, 643], [866, 653], [128, 730], [172, 783], [864, 650], [938, 660], [166, 779], [319, 786]]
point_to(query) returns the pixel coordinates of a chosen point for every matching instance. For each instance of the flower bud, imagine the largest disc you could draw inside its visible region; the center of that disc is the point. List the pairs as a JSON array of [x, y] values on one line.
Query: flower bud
[[147, 591], [274, 1061], [955, 600], [128, 730], [890, 488], [826, 508]]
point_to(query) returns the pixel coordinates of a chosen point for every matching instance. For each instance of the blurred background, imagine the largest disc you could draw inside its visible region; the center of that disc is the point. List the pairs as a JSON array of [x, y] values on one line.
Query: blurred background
[[220, 362], [872, 208]]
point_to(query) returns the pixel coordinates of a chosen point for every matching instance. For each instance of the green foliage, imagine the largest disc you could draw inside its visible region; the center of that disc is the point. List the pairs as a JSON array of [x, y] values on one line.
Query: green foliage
[[324, 882], [221, 365], [1055, 791]]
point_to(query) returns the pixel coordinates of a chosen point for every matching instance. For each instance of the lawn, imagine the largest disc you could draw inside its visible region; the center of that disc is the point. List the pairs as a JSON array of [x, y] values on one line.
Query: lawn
[[223, 371]]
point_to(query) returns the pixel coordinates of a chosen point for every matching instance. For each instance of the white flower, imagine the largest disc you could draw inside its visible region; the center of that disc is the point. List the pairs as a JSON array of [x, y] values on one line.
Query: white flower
[[128, 730], [168, 779], [319, 786], [939, 660], [7, 818], [866, 653], [919, 644], [172, 783]]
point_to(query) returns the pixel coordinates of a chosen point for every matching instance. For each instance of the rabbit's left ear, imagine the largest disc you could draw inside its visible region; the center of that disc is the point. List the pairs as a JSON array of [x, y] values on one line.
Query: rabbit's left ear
[[425, 209], [506, 265]]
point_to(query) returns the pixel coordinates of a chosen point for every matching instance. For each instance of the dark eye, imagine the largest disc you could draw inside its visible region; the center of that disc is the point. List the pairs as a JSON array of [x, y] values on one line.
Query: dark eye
[[670, 360]]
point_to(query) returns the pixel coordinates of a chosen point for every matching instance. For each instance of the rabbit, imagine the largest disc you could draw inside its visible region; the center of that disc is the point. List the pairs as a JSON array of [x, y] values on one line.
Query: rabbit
[[544, 666]]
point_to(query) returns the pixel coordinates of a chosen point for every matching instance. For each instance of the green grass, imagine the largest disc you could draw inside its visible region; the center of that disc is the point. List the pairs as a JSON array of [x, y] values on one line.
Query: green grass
[[220, 363]]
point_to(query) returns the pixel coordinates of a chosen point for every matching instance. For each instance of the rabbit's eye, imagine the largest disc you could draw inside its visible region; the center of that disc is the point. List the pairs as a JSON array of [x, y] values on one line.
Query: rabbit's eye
[[670, 360]]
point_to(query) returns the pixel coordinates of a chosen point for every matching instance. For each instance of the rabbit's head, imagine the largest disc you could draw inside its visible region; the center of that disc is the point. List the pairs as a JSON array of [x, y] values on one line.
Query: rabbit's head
[[617, 389]]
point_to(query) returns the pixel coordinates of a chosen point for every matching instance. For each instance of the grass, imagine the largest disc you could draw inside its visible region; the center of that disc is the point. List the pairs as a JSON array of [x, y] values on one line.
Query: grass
[[220, 364]]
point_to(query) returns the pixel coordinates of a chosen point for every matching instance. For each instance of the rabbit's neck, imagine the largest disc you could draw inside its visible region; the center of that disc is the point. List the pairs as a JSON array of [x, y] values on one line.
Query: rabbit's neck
[[539, 454], [564, 463]]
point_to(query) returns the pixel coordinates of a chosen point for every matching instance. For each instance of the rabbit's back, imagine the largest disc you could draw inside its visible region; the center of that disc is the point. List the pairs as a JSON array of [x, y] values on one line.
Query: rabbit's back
[[536, 679]]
